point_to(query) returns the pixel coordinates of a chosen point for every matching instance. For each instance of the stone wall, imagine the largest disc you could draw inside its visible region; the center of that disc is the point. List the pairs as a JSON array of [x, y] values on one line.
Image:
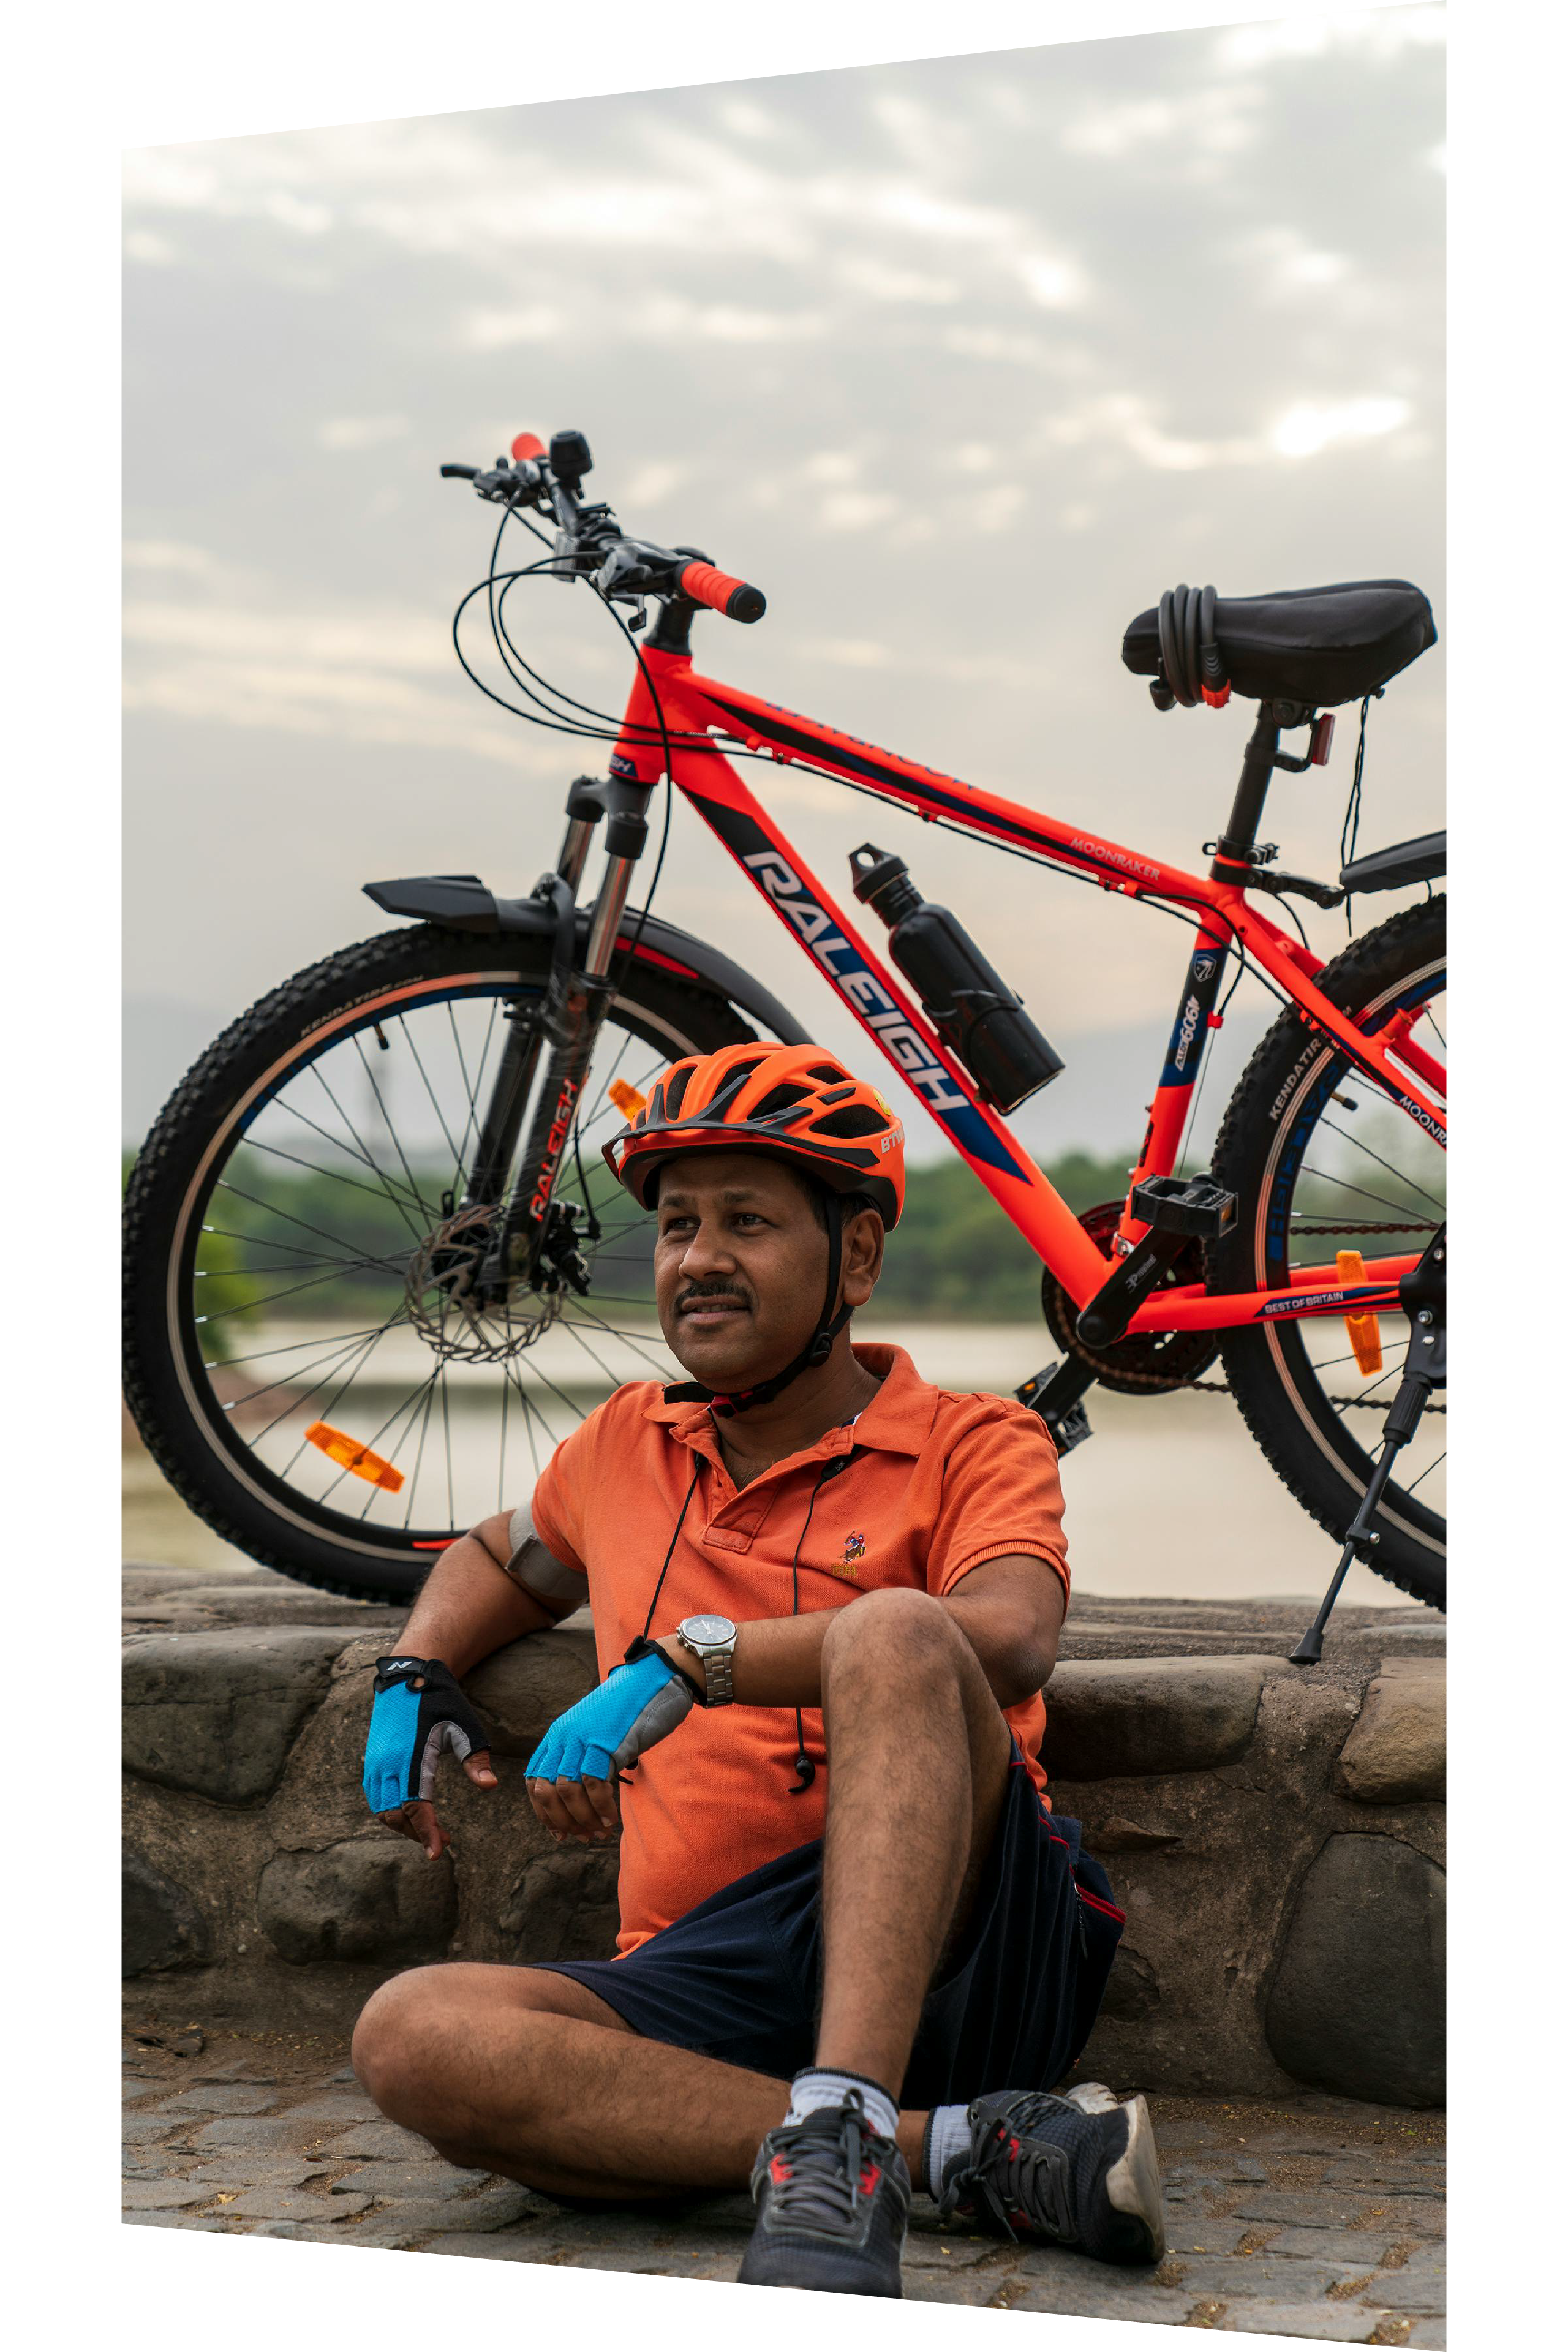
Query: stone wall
[[1277, 1840]]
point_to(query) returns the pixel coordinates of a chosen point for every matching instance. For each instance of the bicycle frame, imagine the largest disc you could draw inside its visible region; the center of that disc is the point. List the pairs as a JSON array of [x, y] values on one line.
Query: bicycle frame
[[669, 697]]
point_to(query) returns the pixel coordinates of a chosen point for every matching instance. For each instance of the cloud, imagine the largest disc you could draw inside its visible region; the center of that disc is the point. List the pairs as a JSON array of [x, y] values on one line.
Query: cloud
[[1193, 133], [652, 485], [905, 206], [831, 466], [1126, 420], [1378, 32], [500, 328], [885, 282], [854, 509], [671, 318], [165, 555], [243, 657], [361, 432], [1286, 260], [999, 508], [1052, 284], [1313, 425], [996, 343], [852, 652], [144, 244]]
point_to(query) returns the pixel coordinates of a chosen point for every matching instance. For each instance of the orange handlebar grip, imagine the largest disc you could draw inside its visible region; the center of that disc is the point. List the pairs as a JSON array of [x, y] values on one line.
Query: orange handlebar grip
[[525, 445], [723, 593]]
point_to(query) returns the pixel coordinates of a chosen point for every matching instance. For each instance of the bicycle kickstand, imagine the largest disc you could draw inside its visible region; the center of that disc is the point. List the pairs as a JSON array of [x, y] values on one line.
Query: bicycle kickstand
[[1423, 1294]]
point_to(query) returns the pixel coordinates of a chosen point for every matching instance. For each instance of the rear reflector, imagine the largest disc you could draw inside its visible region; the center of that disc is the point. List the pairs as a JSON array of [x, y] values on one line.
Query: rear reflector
[[358, 1460], [1365, 1333]]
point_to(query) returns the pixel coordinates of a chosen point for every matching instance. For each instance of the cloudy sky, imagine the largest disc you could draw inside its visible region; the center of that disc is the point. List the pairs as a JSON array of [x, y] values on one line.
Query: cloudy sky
[[962, 361]]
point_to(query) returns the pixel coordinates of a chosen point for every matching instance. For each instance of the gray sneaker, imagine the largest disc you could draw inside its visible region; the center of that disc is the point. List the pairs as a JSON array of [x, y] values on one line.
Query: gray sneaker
[[1081, 2170]]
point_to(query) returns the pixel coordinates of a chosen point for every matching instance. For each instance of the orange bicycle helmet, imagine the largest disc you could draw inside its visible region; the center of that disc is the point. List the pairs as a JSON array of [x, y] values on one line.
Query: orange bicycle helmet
[[793, 1102]]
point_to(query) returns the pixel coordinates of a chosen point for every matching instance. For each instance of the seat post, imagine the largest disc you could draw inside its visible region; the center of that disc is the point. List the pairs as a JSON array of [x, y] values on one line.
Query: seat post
[[1232, 858]]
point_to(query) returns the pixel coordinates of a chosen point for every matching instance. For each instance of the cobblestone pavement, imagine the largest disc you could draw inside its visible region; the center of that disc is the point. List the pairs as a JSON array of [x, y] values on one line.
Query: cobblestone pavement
[[1319, 2218]]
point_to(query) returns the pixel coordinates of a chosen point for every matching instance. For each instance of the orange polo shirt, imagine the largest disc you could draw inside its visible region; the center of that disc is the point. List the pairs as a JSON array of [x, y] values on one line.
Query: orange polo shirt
[[937, 1484]]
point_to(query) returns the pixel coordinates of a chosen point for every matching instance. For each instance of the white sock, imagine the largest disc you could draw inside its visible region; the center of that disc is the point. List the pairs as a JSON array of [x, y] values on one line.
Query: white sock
[[824, 2087], [947, 2135]]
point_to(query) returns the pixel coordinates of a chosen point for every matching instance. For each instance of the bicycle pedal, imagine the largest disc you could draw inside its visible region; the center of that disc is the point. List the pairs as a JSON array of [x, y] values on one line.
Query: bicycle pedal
[[1194, 1206], [1069, 1423]]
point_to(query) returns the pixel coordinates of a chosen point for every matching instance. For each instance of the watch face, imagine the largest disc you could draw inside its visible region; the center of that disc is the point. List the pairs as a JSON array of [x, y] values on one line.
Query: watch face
[[707, 1629]]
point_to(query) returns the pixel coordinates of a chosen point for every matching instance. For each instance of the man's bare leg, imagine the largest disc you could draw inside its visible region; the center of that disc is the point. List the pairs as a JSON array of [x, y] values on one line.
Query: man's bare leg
[[920, 1754], [523, 2072], [530, 2074]]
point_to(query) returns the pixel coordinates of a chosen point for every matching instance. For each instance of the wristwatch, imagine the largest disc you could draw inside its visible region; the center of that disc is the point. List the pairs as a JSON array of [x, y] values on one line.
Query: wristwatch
[[713, 1641]]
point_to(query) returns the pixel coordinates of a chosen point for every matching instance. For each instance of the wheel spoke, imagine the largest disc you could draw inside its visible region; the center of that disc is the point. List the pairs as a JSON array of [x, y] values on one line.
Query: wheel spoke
[[225, 1185], [473, 1122], [355, 1368], [320, 1203], [336, 1176], [363, 1155], [1397, 1174], [358, 1043], [418, 1459], [251, 1305], [1323, 1177]]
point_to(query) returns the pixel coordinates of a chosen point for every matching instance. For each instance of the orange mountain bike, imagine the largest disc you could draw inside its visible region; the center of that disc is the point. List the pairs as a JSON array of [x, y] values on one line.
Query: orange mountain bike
[[376, 1268]]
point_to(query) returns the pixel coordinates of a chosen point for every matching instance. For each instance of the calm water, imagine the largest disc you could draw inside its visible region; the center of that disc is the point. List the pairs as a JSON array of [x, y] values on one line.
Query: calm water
[[1169, 1499]]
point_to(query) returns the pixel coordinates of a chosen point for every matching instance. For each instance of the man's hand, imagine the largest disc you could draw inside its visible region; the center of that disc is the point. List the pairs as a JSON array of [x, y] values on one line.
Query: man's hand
[[418, 1709], [571, 1773]]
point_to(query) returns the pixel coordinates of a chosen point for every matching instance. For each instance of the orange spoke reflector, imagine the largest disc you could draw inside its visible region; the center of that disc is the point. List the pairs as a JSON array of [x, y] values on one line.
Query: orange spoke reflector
[[1366, 1335], [626, 1099], [357, 1459]]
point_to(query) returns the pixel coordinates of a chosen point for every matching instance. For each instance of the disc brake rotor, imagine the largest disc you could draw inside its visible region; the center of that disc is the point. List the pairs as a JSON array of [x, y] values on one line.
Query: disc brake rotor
[[1149, 1360], [459, 1317]]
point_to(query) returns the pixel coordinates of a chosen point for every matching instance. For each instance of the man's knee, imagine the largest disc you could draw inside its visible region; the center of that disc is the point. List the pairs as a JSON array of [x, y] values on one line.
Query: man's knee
[[398, 2042], [912, 1625], [418, 2042]]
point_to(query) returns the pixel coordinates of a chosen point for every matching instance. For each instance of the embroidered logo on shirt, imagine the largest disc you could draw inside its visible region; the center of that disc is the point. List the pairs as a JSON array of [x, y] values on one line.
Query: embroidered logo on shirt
[[854, 1553]]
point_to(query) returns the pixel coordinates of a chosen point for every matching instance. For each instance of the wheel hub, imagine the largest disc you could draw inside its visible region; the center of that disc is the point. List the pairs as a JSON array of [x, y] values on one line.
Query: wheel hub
[[462, 1315]]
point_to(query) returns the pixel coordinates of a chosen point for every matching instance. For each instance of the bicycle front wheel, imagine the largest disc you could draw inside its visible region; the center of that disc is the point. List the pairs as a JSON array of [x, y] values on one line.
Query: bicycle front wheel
[[294, 1360], [1321, 1163]]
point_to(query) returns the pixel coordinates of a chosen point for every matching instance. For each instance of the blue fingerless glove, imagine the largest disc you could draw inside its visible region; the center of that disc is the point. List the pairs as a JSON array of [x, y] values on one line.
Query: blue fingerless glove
[[604, 1733], [409, 1727]]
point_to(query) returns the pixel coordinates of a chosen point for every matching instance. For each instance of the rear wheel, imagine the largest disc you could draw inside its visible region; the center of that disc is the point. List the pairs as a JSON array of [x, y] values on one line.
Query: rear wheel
[[295, 1361], [1321, 1162]]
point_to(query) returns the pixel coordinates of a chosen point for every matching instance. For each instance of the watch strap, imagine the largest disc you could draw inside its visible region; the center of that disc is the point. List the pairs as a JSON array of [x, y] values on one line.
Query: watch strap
[[718, 1672]]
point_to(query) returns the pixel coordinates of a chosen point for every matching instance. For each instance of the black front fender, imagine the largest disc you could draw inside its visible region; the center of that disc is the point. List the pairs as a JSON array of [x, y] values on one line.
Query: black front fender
[[461, 902], [1421, 860]]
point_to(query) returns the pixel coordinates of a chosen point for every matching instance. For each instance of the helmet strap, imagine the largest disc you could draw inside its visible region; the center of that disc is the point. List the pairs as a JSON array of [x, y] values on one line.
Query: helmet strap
[[816, 1352]]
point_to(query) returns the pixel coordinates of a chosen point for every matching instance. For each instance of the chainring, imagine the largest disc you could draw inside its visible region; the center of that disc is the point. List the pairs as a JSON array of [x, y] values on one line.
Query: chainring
[[1153, 1360]]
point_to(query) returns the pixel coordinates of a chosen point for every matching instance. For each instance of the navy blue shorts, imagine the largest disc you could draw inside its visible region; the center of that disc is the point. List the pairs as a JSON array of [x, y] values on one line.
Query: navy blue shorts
[[739, 1978]]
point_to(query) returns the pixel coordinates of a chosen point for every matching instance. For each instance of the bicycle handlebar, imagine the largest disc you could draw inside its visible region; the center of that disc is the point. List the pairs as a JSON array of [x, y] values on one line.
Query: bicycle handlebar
[[721, 592], [591, 541]]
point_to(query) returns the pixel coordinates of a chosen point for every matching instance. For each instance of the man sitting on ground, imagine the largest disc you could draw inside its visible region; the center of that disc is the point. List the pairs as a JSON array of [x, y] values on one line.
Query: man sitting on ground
[[857, 1947]]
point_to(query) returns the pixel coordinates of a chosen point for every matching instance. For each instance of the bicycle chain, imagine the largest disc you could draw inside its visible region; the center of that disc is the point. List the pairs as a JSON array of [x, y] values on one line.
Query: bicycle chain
[[1417, 1225], [1368, 1404]]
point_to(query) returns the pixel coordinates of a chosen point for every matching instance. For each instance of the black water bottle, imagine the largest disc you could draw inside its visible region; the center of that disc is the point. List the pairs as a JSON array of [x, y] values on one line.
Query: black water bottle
[[971, 1007]]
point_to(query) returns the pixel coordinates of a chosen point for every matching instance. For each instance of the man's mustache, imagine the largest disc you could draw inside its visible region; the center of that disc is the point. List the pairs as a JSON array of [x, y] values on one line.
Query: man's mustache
[[704, 1293]]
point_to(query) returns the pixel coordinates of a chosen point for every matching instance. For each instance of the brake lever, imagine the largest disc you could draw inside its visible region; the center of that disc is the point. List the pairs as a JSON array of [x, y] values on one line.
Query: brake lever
[[622, 572], [508, 484]]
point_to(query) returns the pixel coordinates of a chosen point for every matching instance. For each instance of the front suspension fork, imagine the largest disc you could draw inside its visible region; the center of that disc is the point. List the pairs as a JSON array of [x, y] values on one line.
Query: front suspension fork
[[575, 1004]]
